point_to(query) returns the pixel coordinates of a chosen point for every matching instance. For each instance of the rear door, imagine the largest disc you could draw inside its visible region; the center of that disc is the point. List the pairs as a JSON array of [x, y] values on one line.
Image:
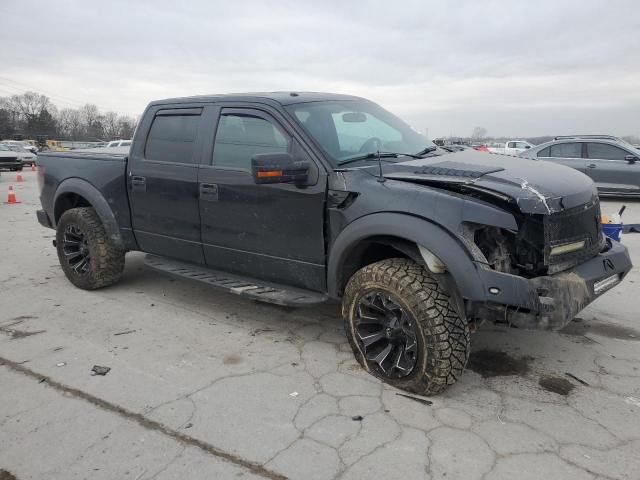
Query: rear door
[[607, 166], [272, 232], [569, 154], [163, 182]]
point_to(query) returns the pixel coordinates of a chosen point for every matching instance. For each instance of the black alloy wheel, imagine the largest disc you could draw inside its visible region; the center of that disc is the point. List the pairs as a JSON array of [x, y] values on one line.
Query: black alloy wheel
[[75, 246], [386, 334]]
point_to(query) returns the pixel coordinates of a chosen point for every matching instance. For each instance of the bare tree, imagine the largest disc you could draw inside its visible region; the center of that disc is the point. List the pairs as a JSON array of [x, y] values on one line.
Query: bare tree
[[479, 133], [111, 126], [30, 104]]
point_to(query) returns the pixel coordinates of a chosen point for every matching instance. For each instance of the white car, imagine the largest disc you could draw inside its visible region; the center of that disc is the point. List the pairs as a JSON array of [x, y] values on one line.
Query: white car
[[119, 143], [18, 143], [512, 147]]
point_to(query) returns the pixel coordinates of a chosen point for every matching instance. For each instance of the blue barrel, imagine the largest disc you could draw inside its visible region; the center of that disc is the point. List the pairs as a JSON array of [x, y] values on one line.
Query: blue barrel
[[612, 230]]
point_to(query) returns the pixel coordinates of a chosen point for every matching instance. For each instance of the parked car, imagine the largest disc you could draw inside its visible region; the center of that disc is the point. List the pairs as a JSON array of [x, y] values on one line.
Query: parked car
[[512, 147], [9, 159], [612, 164], [25, 156], [119, 143], [19, 143], [304, 198]]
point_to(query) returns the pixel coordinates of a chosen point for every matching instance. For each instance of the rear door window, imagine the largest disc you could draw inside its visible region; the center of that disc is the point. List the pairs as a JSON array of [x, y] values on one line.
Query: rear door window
[[604, 151], [566, 150], [172, 138]]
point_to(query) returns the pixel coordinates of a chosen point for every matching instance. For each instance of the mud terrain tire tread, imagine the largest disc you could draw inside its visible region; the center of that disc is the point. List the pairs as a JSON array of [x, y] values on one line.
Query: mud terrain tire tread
[[443, 337]]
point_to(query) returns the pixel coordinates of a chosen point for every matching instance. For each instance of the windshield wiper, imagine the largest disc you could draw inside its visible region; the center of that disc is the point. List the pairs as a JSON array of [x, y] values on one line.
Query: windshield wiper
[[369, 156], [426, 150], [374, 156]]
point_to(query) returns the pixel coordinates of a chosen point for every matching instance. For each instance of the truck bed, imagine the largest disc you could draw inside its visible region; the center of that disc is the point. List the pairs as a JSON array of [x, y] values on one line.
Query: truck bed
[[100, 172]]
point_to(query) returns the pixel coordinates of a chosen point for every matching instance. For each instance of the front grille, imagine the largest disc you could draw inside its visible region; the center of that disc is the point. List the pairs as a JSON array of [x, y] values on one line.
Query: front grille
[[572, 225], [8, 159]]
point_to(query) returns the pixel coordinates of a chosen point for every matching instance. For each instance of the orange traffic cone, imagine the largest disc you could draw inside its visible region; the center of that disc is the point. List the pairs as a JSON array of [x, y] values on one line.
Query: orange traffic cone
[[11, 199], [33, 167], [18, 177]]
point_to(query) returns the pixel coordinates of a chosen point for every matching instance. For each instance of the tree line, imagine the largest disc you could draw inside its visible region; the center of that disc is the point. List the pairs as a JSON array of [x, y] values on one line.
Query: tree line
[[31, 115]]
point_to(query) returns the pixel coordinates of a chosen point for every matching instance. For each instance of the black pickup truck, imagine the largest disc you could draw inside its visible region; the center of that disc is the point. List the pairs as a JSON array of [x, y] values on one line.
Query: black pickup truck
[[303, 198]]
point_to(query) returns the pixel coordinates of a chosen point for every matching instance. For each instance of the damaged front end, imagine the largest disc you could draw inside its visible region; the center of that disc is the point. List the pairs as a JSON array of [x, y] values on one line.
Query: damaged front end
[[555, 261]]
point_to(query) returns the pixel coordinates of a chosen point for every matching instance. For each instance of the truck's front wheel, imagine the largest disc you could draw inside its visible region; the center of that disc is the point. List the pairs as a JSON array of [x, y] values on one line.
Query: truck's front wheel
[[87, 255], [403, 328]]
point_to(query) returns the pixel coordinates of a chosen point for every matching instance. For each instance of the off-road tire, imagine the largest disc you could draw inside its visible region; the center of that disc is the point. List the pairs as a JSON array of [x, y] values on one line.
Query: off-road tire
[[443, 336], [106, 259]]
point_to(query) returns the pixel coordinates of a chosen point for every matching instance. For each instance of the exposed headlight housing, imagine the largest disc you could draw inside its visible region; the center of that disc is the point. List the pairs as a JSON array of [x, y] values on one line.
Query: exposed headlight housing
[[567, 248]]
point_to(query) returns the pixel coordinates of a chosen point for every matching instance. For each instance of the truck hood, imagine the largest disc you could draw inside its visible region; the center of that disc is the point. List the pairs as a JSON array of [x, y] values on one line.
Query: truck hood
[[535, 186]]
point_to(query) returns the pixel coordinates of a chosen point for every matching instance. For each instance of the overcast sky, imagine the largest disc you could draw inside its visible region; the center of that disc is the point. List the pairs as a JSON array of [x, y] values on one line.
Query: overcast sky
[[517, 68]]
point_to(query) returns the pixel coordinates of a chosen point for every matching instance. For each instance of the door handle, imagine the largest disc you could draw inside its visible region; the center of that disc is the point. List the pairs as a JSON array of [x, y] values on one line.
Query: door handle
[[139, 183], [209, 192], [591, 165]]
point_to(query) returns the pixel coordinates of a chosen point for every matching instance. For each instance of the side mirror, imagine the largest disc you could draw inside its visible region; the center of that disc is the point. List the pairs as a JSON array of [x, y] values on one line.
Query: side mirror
[[278, 168], [631, 159]]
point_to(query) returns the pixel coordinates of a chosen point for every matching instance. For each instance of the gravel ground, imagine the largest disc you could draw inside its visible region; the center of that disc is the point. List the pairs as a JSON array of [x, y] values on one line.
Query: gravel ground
[[204, 384]]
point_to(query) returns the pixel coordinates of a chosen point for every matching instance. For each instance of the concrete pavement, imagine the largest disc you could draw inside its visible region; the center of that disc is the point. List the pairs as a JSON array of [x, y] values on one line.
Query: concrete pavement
[[204, 384]]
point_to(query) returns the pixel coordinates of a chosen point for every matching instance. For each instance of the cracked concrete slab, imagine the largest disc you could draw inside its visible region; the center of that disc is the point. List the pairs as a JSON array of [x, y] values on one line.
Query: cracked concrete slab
[[206, 384]]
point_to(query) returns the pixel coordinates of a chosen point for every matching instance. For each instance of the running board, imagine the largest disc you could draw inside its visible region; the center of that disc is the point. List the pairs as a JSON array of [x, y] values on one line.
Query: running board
[[244, 286]]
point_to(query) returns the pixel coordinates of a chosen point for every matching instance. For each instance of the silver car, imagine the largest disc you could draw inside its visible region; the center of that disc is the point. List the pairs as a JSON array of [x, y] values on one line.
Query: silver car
[[25, 156], [613, 164]]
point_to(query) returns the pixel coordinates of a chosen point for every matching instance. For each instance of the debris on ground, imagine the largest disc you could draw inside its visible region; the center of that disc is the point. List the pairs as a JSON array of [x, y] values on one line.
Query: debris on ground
[[188, 425], [632, 401], [4, 475], [558, 385], [424, 401], [125, 332], [258, 331], [61, 364], [579, 380], [357, 418], [98, 370], [294, 394]]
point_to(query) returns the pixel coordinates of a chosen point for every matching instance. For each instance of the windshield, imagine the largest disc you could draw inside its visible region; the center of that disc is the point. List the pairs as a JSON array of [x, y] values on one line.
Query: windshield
[[18, 148], [353, 128]]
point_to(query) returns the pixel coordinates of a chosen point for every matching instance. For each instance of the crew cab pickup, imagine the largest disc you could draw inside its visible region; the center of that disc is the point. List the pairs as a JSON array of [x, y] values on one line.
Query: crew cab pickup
[[304, 198], [512, 147]]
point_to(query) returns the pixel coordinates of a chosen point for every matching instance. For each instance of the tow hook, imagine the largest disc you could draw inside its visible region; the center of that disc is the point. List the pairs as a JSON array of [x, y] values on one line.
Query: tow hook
[[55, 244]]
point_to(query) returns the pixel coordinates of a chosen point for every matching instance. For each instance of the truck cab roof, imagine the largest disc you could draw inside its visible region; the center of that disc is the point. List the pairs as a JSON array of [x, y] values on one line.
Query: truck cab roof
[[282, 98]]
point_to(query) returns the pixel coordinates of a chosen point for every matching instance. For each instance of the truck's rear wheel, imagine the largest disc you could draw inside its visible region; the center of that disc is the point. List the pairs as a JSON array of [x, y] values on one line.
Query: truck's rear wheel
[[403, 328], [88, 257]]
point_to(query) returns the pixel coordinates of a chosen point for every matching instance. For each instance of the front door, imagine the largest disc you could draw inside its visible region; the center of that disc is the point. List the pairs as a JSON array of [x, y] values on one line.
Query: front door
[[163, 184], [271, 232], [607, 167]]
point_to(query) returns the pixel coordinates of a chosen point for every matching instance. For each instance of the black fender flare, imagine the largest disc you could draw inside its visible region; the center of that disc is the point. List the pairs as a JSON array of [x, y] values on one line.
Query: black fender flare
[[92, 195], [449, 249]]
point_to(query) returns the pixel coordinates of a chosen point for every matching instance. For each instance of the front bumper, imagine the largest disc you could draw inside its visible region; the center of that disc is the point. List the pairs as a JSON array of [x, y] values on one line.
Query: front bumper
[[550, 302], [10, 165]]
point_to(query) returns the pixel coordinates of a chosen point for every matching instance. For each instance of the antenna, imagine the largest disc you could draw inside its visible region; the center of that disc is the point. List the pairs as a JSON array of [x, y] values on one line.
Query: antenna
[[381, 179]]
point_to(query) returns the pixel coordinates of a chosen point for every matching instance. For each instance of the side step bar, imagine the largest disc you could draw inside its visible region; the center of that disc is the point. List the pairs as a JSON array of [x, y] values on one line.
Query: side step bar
[[244, 286]]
